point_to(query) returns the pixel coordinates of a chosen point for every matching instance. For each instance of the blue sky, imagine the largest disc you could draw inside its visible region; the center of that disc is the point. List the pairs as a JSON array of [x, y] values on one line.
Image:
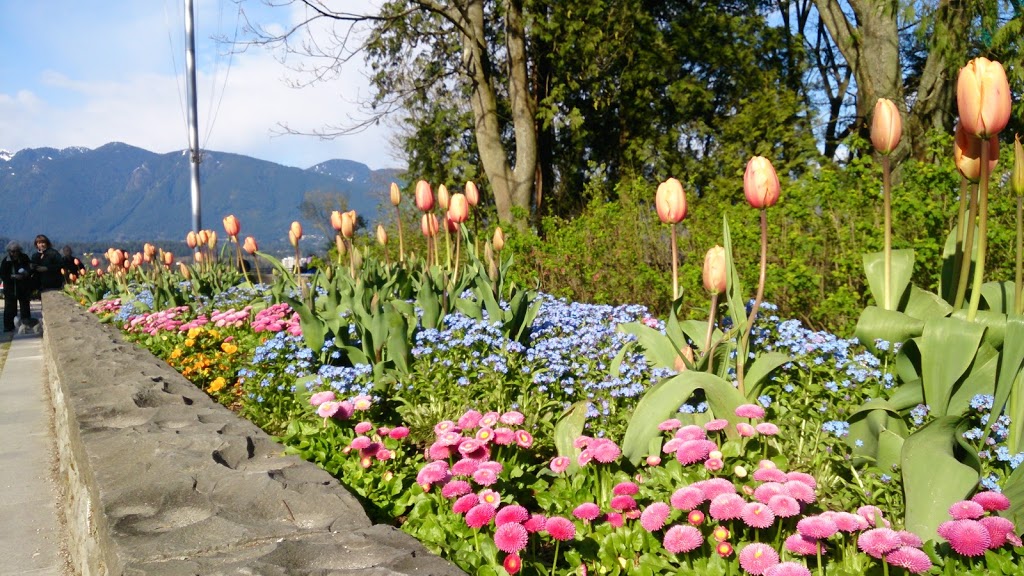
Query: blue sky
[[88, 72]]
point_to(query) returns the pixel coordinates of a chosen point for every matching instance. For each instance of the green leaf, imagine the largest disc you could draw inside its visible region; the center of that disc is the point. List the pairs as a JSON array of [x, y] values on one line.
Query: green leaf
[[999, 296], [887, 325], [568, 428], [763, 365], [1013, 488], [662, 401], [930, 494], [948, 347], [924, 305], [902, 269]]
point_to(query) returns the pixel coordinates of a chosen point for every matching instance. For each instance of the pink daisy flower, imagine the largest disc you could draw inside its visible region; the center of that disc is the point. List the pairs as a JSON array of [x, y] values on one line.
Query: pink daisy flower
[[474, 449], [802, 545], [465, 467], [581, 442], [726, 507], [998, 529], [653, 517], [321, 397], [968, 537], [504, 436], [716, 425], [849, 522], [911, 559], [479, 516], [766, 491], [363, 427], [362, 402], [784, 506], [670, 424], [511, 513], [465, 503], [471, 419], [535, 523], [757, 515], [714, 464], [512, 563], [625, 489], [450, 438], [560, 528], [360, 442], [614, 519], [512, 418], [524, 439], [584, 457], [966, 510], [691, 432], [653, 460], [767, 429], [992, 501], [398, 432], [489, 419], [605, 451], [510, 538], [485, 477], [802, 477], [485, 434], [770, 475], [490, 498], [327, 409], [444, 426], [872, 514], [788, 569], [715, 486], [492, 465], [910, 539], [587, 511], [877, 542], [800, 491], [455, 488], [680, 539], [671, 446], [749, 411], [757, 558], [817, 527], [745, 430], [623, 502], [560, 464], [432, 473], [439, 451], [695, 517], [687, 498]]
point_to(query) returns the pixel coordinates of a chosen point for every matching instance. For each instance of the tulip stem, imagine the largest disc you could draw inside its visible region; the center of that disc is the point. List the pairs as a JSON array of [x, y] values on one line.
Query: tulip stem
[[712, 318], [979, 270], [965, 263], [1018, 306], [741, 354], [887, 207], [401, 241], [675, 266], [958, 252]]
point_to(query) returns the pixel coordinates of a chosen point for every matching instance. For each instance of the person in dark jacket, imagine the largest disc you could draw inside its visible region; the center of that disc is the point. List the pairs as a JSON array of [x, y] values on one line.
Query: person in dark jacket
[[71, 266], [46, 263], [16, 273]]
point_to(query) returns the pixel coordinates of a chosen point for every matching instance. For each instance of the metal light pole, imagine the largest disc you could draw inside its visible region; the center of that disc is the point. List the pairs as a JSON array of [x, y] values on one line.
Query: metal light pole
[[193, 128]]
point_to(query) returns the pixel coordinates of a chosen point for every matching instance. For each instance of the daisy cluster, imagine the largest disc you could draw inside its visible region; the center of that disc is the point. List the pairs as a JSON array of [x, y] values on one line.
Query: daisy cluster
[[370, 442]]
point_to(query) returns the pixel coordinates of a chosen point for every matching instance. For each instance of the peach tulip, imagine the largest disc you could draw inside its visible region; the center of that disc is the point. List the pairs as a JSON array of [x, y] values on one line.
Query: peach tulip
[[191, 239], [296, 230], [396, 195], [967, 153], [983, 98], [450, 225], [443, 197], [424, 196], [761, 183], [458, 208], [670, 201], [202, 237], [231, 226], [498, 241], [250, 245], [714, 270], [382, 235], [211, 239], [348, 223], [168, 258], [95, 262], [336, 220], [429, 225], [886, 126], [472, 193]]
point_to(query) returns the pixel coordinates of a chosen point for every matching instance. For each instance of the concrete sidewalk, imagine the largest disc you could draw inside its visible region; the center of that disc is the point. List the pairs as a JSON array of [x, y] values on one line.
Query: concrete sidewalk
[[30, 531]]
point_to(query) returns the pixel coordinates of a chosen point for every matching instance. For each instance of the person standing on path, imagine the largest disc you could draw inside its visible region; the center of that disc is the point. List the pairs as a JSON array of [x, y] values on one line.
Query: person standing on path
[[47, 263], [71, 267], [16, 273]]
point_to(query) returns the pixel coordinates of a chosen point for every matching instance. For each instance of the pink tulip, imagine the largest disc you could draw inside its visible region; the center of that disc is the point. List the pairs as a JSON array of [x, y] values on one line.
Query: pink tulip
[[983, 98], [761, 183], [886, 126], [670, 201]]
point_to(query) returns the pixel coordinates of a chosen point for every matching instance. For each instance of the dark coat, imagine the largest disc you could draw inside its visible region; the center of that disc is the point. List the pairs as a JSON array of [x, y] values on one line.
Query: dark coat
[[15, 282], [51, 278]]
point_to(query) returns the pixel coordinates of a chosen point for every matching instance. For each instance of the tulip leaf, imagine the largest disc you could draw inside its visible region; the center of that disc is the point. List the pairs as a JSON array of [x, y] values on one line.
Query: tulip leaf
[[1009, 381], [980, 379], [929, 494], [1013, 489], [764, 365], [950, 266], [734, 289], [867, 425], [948, 347], [568, 428], [876, 324], [994, 323], [902, 269], [658, 348], [999, 296], [662, 401], [923, 305], [890, 446]]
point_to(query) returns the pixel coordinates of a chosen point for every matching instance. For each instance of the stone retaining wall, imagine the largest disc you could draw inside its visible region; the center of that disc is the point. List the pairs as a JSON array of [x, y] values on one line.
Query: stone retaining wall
[[159, 479]]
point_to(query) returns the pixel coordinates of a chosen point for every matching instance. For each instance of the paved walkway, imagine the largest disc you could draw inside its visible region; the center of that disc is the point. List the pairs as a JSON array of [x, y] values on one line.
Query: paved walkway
[[30, 532]]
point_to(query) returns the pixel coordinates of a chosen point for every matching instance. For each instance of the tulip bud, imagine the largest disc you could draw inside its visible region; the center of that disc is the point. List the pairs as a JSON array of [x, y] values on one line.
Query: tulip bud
[[168, 258], [336, 220], [492, 271], [357, 259], [424, 196], [250, 245], [443, 197], [429, 225], [211, 239], [95, 262], [488, 254], [296, 230], [198, 257], [983, 97], [714, 270], [202, 237], [499, 239], [450, 225], [396, 194], [967, 154], [339, 244], [382, 235], [1017, 175], [192, 240], [761, 183], [185, 271], [670, 201], [293, 239], [472, 193], [886, 126], [231, 226], [348, 224], [458, 209]]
